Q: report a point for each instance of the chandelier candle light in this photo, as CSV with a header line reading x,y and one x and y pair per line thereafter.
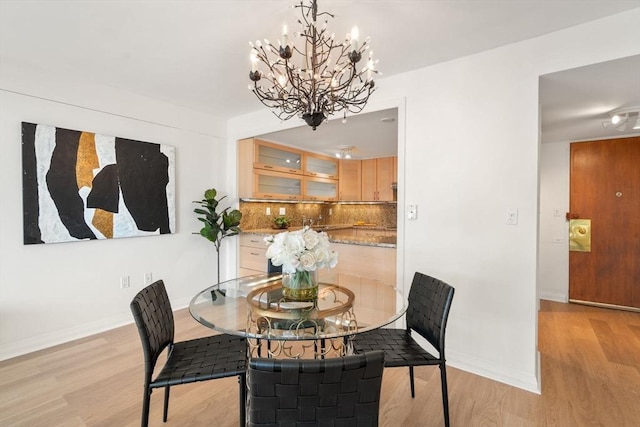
x,y
316,78
300,253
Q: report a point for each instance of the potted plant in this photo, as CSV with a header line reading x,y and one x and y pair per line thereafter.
x,y
281,222
217,224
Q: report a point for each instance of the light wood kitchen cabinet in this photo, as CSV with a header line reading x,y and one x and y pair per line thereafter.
x,y
322,189
276,185
267,170
319,166
377,177
363,263
275,157
253,258
350,180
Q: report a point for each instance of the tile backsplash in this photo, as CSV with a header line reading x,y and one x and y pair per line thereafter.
x,y
254,214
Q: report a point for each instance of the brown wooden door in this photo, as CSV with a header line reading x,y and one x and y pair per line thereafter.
x,y
605,188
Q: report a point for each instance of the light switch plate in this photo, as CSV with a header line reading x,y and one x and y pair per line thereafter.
x,y
412,212
512,216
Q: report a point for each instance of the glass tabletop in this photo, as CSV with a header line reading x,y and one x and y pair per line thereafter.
x,y
253,307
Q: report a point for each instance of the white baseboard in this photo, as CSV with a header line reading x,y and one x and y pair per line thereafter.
x,y
487,369
40,342
553,295
29,345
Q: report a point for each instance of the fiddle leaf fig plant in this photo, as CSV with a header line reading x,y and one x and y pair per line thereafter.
x,y
217,225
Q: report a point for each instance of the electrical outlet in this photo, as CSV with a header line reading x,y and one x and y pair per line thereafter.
x,y
283,211
148,278
330,211
124,282
412,212
268,211
512,216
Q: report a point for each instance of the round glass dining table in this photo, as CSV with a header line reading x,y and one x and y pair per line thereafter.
x,y
254,307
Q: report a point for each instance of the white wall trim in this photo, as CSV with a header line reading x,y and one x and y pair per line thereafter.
x,y
554,296
18,348
488,369
64,336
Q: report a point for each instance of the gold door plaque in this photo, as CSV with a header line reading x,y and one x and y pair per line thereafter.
x,y
580,235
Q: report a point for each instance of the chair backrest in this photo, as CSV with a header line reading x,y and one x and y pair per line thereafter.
x,y
152,312
336,391
429,303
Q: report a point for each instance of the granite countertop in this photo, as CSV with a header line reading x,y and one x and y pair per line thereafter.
x,y
382,241
379,241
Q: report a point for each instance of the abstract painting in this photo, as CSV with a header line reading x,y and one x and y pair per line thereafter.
x,y
85,186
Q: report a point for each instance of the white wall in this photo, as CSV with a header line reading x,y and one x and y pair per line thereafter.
x,y
468,151
56,292
471,151
553,270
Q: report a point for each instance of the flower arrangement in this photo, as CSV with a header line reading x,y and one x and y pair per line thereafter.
x,y
301,250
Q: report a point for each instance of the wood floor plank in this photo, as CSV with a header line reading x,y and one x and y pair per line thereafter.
x,y
589,361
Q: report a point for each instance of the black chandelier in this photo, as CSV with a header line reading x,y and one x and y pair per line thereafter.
x,y
316,78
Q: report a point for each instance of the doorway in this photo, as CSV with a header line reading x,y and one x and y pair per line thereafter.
x,y
604,266
574,106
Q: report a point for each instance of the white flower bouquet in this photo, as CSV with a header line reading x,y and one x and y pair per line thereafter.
x,y
300,253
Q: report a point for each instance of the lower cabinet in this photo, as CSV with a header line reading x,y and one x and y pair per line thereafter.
x,y
359,264
253,254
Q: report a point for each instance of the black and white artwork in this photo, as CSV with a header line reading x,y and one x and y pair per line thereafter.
x,y
84,186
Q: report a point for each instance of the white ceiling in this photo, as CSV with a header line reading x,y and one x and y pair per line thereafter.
x,y
196,53
574,103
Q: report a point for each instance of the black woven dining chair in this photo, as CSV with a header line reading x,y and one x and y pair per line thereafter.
x,y
429,303
201,359
343,391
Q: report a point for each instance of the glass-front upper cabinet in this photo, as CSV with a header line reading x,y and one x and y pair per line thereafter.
x,y
320,189
276,157
276,185
320,166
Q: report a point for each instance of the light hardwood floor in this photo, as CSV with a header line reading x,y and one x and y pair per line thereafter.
x,y
590,377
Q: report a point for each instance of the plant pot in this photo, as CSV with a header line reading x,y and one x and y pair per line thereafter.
x,y
300,286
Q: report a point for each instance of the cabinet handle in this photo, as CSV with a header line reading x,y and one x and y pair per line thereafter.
x,y
268,195
254,253
254,241
293,170
268,167
313,174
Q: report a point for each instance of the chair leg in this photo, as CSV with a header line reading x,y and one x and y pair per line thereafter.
x,y
146,399
445,395
166,404
242,379
413,389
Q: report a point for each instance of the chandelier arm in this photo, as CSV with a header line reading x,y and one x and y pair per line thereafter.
x,y
342,85
272,105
